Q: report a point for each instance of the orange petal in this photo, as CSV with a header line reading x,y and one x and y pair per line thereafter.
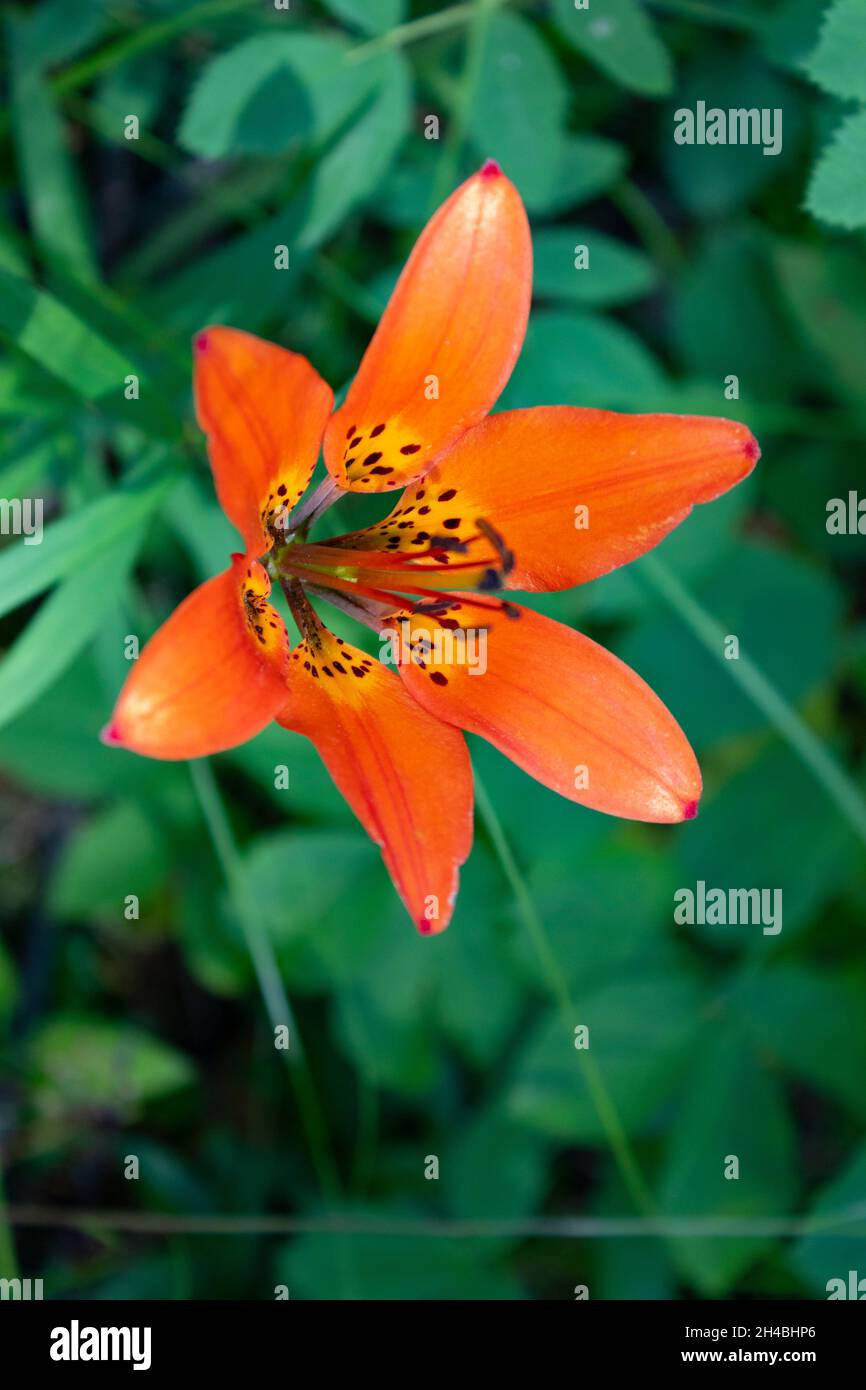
x,y
568,712
212,676
406,776
264,411
571,493
446,343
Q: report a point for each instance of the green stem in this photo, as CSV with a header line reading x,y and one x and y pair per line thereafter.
x,y
649,224
602,1100
783,718
709,14
424,28
267,974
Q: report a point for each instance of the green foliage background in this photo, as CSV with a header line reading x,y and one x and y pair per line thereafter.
x,y
306,128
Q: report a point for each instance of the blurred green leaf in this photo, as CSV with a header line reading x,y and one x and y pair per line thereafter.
x,y
725,323
641,1032
836,189
825,291
714,179
766,827
620,38
297,879
59,340
58,30
613,274
137,88
572,358
55,203
385,1266
65,623
812,1022
760,594
733,1110
519,88
82,1061
839,1239
114,853
77,539
354,167
493,1169
587,166
273,90
837,62
617,916
371,16
53,746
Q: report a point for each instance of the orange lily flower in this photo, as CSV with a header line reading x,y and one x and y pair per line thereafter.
x,y
490,504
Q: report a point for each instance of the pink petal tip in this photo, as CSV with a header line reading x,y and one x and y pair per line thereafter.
x,y
110,735
490,169
690,810
752,450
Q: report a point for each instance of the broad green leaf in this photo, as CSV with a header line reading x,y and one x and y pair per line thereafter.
x,y
641,1031
353,168
812,1023
620,38
837,189
587,166
394,1053
838,1241
588,267
55,205
789,34
493,1169
837,63
519,89
298,879
572,358
824,288
310,794
760,594
80,1061
371,16
272,91
477,998
724,323
58,30
27,570
53,746
135,88
116,852
734,1112
624,909
393,1267
766,827
59,340
56,634
715,179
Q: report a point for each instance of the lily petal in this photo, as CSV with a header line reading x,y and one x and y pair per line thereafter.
x,y
567,711
406,776
211,677
264,412
447,341
570,493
